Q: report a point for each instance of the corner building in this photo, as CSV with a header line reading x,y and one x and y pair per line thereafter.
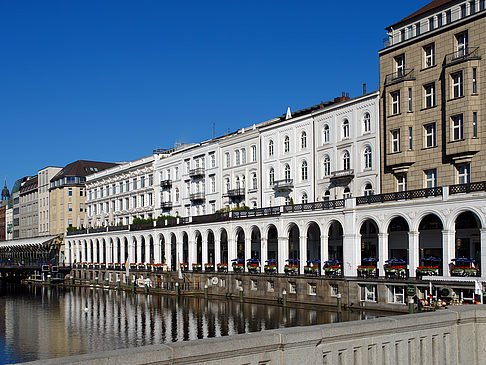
x,y
432,78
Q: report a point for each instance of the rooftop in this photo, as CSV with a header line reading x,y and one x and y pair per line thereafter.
x,y
424,10
82,168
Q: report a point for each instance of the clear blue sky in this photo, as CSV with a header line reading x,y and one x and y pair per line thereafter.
x,y
112,80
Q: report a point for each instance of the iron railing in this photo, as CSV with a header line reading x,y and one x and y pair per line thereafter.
x,y
259,212
283,184
233,193
210,218
467,188
79,231
399,76
97,230
465,54
198,171
141,226
118,228
324,205
166,205
197,196
401,195
166,184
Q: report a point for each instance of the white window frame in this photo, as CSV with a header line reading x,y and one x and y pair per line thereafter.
x,y
429,55
326,133
429,95
346,160
327,165
367,122
457,85
457,127
368,157
304,171
430,135
270,148
464,174
395,99
401,182
430,178
345,128
303,140
286,144
395,140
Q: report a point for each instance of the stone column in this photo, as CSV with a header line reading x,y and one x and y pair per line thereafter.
x,y
139,251
157,252
192,257
448,250
204,251
115,259
86,251
413,252
179,255
351,254
303,253
131,252
109,253
95,251
263,251
231,251
147,249
217,252
247,249
67,252
122,252
324,251
283,252
168,253
483,252
382,252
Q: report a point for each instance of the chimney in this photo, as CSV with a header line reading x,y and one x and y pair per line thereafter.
x,y
364,88
347,96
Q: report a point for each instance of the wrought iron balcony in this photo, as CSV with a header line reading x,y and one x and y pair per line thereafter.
x,y
399,76
199,171
197,196
235,193
402,195
166,205
465,54
283,185
166,184
342,175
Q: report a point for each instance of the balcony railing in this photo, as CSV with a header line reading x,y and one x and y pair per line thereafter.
x,y
118,228
166,184
399,76
402,195
324,205
235,193
141,226
210,218
197,196
467,188
79,231
462,55
97,230
285,184
256,212
166,205
199,171
342,175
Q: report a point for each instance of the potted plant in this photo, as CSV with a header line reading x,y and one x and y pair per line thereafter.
x,y
196,267
184,266
238,267
222,267
253,267
209,267
290,269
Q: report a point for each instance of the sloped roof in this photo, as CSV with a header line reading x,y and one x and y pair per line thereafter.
x,y
429,7
82,168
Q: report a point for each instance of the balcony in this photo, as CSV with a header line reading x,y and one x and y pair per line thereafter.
x,y
166,184
166,205
197,172
402,195
461,56
399,76
283,185
197,196
235,193
342,176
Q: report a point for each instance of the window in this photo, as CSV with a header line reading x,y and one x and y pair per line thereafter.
x,y
475,125
134,202
304,171
254,181
237,182
292,287
270,148
430,139
243,155
254,284
439,20
346,161
410,142
402,35
368,293
312,288
429,93
463,11
327,165
457,128
227,184
142,181
334,290
448,16
150,199
395,98
287,171
287,144
142,200
303,140
367,122
346,128
271,175
417,29
305,199
346,193
237,157
462,44
431,178
176,173
409,99
253,153
287,200
327,196
177,194
472,7
400,65
228,159
70,207
395,140
127,204
213,184
188,166
482,4
81,207
431,23
464,174
70,192
368,158
396,294
368,190
457,89
474,81
134,183
429,55
213,160
270,285
326,134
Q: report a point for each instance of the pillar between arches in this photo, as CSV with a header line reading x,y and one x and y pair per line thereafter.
x,y
231,252
217,252
157,251
482,244
413,252
351,254
139,252
283,252
247,248
192,257
115,259
324,251
263,252
448,250
147,249
303,253
382,251
204,241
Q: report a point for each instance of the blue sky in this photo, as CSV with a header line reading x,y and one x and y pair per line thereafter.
x,y
112,80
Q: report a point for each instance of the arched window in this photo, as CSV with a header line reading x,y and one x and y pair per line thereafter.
x,y
271,176
254,205
304,171
253,153
237,182
327,195
367,122
347,193
346,161
303,140
227,184
177,194
325,136
368,190
287,171
243,155
346,128
254,181
237,157
243,182
270,148
368,158
287,144
304,198
327,165
228,159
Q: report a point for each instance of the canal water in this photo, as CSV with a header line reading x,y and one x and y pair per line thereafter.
x,y
43,323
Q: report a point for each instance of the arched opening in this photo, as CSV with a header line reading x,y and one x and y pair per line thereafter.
x,y
199,248
255,243
369,239
224,247
335,242
240,244
468,237
143,251
313,243
398,239
185,248
102,256
118,251
151,250
173,252
211,248
91,252
163,259
294,246
125,259
272,243
430,238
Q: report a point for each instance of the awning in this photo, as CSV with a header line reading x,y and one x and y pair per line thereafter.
x,y
21,243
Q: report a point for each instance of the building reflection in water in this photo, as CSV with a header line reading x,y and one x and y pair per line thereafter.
x,y
42,323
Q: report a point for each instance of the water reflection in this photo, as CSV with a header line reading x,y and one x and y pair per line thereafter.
x,y
42,323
